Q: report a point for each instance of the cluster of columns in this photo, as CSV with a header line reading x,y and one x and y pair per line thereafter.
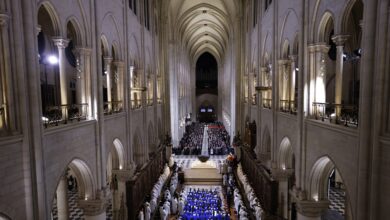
x,y
317,85
7,107
283,176
113,71
266,79
339,40
136,87
287,84
119,206
83,68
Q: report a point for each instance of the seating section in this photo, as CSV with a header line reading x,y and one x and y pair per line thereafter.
x,y
203,204
192,140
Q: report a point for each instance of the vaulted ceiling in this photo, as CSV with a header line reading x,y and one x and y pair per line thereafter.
x,y
204,25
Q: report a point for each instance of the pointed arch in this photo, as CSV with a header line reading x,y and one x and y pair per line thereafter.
x,y
119,151
47,7
85,179
80,39
286,154
285,49
325,26
266,141
4,216
318,180
104,45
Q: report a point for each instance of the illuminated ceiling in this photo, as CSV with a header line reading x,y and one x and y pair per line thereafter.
x,y
204,26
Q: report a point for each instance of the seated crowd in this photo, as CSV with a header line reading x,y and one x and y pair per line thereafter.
x,y
219,139
191,143
203,204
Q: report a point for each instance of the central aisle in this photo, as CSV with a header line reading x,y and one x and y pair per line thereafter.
x,y
205,143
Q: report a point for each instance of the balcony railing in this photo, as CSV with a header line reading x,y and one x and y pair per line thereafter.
x,y
62,114
267,103
348,114
288,106
136,104
113,107
149,102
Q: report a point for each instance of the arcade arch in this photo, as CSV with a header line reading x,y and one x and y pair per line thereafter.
x,y
326,184
74,186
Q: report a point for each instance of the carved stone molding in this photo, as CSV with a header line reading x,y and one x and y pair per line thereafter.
x,y
4,18
93,207
123,175
60,42
312,208
83,50
281,175
339,40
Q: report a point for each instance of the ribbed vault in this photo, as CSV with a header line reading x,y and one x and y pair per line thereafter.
x,y
203,26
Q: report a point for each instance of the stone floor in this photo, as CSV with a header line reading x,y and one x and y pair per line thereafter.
x,y
337,200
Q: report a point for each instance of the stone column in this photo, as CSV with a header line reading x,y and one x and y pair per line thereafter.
x,y
119,196
282,176
61,45
263,94
84,81
339,40
119,65
8,119
320,88
311,210
312,79
283,83
293,59
62,199
107,69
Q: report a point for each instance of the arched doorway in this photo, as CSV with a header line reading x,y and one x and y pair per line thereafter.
x,y
286,164
75,185
115,165
326,183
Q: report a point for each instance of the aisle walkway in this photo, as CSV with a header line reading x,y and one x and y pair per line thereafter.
x,y
205,142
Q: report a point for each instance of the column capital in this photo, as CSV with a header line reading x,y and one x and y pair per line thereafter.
x,y
293,58
60,42
93,207
321,47
39,29
340,39
281,175
4,18
123,175
311,48
84,50
107,59
118,63
264,69
311,208
283,61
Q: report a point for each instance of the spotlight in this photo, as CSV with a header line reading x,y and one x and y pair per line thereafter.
x,y
52,59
